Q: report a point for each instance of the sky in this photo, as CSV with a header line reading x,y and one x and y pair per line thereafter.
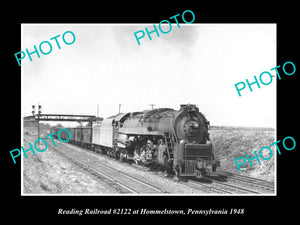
x,y
196,63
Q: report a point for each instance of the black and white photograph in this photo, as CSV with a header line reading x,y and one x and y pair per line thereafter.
x,y
109,112
136,112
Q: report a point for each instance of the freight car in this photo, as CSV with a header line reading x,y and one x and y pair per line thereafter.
x,y
80,136
176,140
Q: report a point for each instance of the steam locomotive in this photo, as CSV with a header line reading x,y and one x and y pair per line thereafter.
x,y
175,140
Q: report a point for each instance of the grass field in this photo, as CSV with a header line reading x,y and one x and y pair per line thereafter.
x,y
233,142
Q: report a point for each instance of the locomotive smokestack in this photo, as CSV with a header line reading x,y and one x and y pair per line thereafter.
x,y
182,106
187,105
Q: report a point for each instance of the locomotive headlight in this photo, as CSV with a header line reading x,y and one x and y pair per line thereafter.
x,y
195,124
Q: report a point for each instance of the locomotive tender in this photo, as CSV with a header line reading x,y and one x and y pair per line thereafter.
x,y
175,140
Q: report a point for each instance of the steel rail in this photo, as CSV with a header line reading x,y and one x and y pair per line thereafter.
x,y
233,186
133,178
257,181
195,183
113,180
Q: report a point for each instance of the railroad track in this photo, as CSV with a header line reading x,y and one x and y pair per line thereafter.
x,y
119,180
230,183
234,189
139,190
258,184
128,184
207,188
214,186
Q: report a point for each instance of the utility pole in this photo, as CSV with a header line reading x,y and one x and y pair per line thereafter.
x,y
38,116
151,105
119,108
97,119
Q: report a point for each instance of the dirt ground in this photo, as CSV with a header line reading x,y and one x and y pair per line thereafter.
x,y
49,173
230,144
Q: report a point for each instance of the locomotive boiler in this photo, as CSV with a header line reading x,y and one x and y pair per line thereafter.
x,y
176,140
